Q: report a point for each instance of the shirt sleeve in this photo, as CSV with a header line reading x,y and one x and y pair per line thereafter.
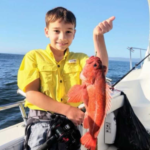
x,y
28,71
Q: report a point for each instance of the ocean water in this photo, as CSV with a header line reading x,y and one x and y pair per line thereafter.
x,y
9,65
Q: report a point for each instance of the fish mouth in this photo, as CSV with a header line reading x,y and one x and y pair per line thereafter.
x,y
82,77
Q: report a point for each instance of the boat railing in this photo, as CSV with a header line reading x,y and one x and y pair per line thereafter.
x,y
19,104
131,49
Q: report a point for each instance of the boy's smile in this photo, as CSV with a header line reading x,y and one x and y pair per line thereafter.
x,y
60,34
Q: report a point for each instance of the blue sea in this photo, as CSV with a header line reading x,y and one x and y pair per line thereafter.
x,y
9,65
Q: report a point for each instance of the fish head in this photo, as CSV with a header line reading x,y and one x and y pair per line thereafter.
x,y
92,67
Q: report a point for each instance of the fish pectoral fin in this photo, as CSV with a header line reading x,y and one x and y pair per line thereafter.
x,y
75,94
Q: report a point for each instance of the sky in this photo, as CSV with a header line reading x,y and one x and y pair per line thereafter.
x,y
22,25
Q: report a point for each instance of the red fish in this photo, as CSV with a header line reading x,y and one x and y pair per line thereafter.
x,y
95,94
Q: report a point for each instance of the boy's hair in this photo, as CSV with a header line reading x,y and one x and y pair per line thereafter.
x,y
60,13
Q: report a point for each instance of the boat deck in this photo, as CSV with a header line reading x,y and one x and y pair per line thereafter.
x,y
12,132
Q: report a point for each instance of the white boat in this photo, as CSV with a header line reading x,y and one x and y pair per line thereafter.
x,y
135,85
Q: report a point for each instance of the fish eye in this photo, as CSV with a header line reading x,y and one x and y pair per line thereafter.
x,y
94,65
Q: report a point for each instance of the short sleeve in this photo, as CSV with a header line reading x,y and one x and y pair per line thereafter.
x,y
28,71
83,58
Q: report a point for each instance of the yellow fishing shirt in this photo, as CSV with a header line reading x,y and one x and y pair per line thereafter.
x,y
56,77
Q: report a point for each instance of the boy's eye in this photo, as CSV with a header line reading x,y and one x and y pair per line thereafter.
x,y
57,31
68,31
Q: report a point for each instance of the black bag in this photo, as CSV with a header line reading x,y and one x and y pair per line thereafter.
x,y
131,134
62,130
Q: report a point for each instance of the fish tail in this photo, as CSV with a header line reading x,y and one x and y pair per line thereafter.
x,y
88,141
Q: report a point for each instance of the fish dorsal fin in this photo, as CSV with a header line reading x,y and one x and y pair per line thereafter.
x,y
108,98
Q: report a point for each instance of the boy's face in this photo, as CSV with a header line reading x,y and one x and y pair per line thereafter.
x,y
60,34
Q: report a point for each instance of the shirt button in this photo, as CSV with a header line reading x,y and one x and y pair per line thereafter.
x,y
60,81
58,66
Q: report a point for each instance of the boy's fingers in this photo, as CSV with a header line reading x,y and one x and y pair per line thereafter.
x,y
111,19
107,26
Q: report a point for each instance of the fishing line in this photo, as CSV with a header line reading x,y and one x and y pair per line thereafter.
x,y
129,71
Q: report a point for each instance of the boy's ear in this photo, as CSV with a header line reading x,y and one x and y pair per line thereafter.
x,y
74,33
46,32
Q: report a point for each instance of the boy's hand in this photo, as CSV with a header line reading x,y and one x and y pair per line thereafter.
x,y
104,26
75,115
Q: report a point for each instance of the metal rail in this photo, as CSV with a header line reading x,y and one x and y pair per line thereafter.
x,y
131,49
11,105
16,104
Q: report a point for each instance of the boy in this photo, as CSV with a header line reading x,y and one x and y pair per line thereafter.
x,y
47,75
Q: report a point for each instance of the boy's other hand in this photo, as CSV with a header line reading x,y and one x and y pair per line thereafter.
x,y
104,26
75,115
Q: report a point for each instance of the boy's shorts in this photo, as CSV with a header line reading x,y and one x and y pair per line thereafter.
x,y
38,136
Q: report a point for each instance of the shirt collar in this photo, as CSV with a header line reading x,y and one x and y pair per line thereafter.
x,y
49,51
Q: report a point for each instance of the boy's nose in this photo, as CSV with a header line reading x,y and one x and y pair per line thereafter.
x,y
62,36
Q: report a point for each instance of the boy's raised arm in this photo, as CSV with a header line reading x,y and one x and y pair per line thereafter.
x,y
99,42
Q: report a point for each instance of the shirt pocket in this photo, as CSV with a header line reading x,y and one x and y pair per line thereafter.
x,y
71,75
47,75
